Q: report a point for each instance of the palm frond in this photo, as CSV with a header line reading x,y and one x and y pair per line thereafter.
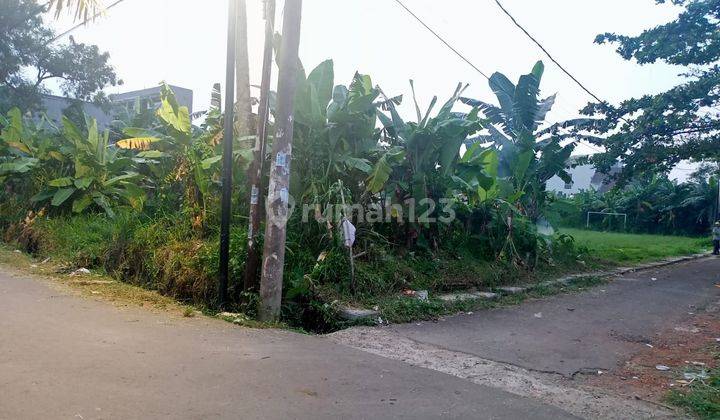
x,y
83,10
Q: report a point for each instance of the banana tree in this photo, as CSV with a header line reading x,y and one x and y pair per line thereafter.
x,y
527,156
419,158
16,146
335,133
420,154
176,153
519,156
31,152
97,174
476,175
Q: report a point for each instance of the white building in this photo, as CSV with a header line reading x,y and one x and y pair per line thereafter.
x,y
584,177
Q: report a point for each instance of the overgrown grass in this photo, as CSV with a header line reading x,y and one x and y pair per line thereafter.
x,y
702,398
627,248
99,285
162,254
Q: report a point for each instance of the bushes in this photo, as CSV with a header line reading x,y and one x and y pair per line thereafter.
x,y
85,241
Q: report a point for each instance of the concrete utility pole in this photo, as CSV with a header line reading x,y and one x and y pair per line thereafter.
x,y
227,158
255,171
278,191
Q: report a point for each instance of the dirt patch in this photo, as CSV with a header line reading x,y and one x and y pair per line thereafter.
x,y
92,285
688,347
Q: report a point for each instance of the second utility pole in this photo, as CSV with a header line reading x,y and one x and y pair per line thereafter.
x,y
227,158
271,282
255,171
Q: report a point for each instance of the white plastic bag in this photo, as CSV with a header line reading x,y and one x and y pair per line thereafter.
x,y
348,233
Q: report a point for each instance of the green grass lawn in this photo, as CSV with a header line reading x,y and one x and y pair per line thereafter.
x,y
634,248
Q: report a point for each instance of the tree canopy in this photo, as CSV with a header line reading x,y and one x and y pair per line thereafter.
x,y
655,132
28,59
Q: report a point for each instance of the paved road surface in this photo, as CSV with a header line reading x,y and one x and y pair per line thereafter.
x,y
67,357
593,330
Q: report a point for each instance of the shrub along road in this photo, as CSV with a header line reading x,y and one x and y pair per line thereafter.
x,y
65,356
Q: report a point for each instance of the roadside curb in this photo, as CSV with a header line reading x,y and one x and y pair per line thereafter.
x,y
357,314
566,280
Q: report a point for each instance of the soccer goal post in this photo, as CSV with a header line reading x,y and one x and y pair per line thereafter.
x,y
623,215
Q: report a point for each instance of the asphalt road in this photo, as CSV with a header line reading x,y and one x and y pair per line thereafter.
x,y
574,333
68,357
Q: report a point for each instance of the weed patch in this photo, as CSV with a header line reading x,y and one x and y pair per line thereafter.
x,y
702,398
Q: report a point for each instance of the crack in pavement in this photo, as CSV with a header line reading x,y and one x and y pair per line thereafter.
x,y
547,386
580,371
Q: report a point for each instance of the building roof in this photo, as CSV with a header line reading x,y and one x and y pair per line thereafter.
x,y
121,97
55,105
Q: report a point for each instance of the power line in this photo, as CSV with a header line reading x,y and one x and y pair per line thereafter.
x,y
84,22
447,44
590,146
583,142
547,53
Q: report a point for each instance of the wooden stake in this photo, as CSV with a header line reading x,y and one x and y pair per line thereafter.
x,y
278,190
350,248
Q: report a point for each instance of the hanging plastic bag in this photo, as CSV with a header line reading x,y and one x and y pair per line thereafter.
x,y
348,233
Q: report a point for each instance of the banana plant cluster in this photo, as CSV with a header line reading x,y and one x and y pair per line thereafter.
x,y
420,157
520,156
493,157
75,167
71,169
490,157
96,174
335,132
175,152
18,150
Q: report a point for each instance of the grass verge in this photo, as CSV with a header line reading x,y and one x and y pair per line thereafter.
x,y
628,248
93,284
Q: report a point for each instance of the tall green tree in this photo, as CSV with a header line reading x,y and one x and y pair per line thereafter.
x,y
655,132
28,60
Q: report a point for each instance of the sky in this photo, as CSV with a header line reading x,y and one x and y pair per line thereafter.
x,y
183,42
